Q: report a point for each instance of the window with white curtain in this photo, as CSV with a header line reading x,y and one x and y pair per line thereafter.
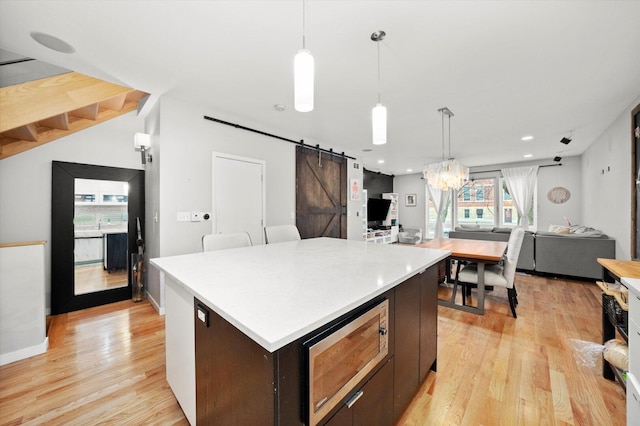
x,y
482,206
432,217
484,202
509,210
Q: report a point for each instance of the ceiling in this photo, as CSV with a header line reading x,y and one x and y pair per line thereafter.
x,y
506,69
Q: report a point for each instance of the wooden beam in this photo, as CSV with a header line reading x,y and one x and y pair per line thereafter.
x,y
116,103
37,100
11,146
60,122
89,112
27,133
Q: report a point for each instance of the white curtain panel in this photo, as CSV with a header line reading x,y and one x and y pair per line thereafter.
x,y
440,200
521,182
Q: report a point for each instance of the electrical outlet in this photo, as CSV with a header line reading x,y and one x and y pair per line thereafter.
x,y
196,216
184,216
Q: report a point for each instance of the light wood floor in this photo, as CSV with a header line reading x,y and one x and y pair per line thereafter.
x,y
106,365
90,278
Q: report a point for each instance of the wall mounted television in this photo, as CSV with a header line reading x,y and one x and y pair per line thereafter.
x,y
377,209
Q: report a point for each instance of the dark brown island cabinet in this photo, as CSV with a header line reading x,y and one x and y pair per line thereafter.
x,y
238,382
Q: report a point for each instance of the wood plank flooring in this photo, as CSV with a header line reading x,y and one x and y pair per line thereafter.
x,y
531,370
106,365
90,278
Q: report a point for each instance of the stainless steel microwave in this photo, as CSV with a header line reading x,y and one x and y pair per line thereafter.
x,y
340,359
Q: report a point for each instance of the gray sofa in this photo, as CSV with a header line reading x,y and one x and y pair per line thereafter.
x,y
573,254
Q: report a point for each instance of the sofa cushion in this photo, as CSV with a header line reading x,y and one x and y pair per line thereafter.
x,y
474,228
559,229
504,230
596,234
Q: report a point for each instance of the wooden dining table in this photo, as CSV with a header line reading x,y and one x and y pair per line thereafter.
x,y
478,251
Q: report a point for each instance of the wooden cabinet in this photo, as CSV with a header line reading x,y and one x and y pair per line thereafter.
x,y
428,321
407,357
234,375
237,381
416,333
372,404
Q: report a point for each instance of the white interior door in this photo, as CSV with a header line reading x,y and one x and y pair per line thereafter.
x,y
238,196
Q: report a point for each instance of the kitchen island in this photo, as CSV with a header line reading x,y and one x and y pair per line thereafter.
x,y
238,323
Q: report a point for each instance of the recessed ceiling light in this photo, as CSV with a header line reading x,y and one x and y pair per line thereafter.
x,y
528,155
409,170
53,43
526,138
380,161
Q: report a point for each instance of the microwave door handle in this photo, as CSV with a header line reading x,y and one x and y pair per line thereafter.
x,y
354,398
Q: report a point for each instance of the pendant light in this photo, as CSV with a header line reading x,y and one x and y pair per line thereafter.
x,y
447,174
379,112
303,74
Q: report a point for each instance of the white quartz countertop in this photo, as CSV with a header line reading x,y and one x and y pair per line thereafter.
x,y
632,284
277,293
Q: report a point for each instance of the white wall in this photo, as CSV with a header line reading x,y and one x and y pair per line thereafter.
x,y
25,179
152,207
184,160
187,142
608,182
411,217
568,175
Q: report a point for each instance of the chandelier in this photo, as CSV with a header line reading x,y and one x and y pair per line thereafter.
x,y
446,174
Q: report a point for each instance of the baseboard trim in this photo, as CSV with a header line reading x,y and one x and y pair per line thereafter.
x,y
14,356
159,309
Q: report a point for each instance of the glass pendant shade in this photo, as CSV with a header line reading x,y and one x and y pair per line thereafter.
x,y
303,74
446,175
379,124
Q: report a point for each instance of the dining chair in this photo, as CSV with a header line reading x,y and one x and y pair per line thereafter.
x,y
281,233
500,275
211,242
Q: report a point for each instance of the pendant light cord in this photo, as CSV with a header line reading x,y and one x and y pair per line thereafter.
x,y
449,136
442,120
378,44
304,24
